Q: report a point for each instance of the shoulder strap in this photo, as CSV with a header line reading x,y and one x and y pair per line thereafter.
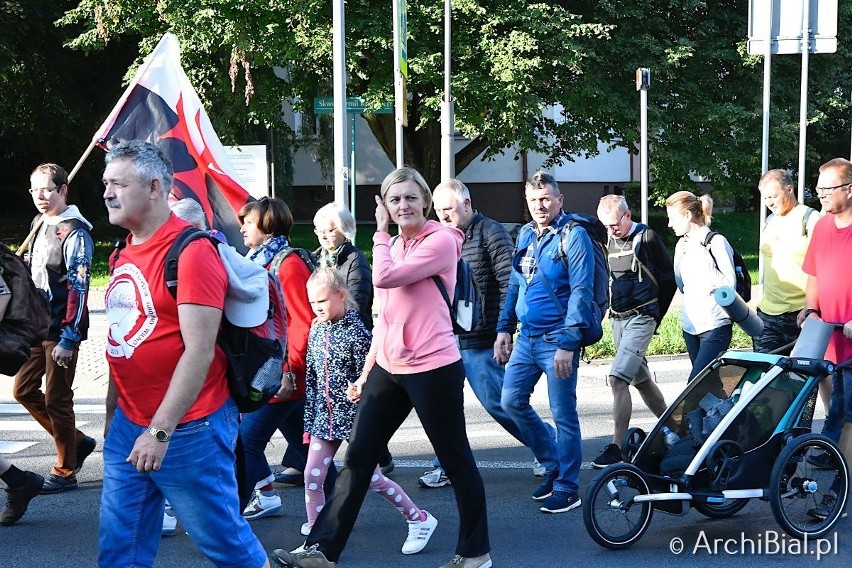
x,y
185,237
444,294
706,244
281,256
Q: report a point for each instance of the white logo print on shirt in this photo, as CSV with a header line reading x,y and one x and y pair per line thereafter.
x,y
127,299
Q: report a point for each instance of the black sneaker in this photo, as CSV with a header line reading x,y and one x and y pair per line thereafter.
x,y
546,488
84,450
58,484
610,455
561,502
19,498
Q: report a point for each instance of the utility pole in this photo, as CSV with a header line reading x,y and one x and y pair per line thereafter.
x,y
643,83
448,165
341,148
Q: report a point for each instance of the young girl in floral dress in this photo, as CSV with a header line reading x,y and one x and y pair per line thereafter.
x,y
337,347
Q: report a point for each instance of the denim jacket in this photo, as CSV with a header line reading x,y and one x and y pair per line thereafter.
x,y
571,278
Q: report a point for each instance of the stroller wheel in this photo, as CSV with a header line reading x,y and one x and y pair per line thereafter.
x,y
720,510
807,500
612,519
632,440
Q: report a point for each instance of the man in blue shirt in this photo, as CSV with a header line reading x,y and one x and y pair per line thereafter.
x,y
548,265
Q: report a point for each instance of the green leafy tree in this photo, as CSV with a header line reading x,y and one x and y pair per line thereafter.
x,y
510,61
52,99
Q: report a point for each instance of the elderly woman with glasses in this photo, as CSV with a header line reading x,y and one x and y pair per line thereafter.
x,y
334,227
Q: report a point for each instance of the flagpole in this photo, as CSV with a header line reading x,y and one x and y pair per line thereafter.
x,y
37,226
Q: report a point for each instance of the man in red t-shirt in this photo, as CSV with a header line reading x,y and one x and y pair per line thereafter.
x,y
171,425
828,294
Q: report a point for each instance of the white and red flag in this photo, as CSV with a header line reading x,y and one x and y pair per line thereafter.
x,y
161,106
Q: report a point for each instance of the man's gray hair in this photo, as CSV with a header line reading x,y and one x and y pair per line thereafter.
x,y
457,187
190,210
613,202
340,216
148,160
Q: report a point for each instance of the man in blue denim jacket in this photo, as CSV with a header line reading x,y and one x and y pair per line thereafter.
x,y
549,341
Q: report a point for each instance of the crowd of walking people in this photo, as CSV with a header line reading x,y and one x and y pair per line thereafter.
x,y
366,345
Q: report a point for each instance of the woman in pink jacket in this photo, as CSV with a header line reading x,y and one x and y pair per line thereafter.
x,y
413,362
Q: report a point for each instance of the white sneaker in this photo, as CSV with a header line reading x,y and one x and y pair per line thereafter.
x,y
435,478
299,549
305,530
538,469
263,506
419,533
169,522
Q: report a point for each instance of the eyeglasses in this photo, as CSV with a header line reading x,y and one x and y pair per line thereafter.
x,y
320,232
828,190
44,190
617,223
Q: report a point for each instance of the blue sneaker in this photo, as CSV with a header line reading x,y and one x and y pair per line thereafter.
x,y
544,490
561,502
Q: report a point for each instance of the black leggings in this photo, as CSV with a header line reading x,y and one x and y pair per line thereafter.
x,y
385,403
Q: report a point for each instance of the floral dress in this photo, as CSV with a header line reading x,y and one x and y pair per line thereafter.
x,y
336,354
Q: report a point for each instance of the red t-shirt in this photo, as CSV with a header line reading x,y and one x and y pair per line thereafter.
x,y
824,260
293,275
144,342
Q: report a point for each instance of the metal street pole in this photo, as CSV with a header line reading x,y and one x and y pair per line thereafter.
x,y
803,108
764,162
399,73
341,156
643,83
448,166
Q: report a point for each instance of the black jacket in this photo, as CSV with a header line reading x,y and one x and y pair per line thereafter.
x,y
355,269
630,286
487,248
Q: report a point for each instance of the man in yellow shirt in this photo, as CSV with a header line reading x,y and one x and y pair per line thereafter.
x,y
786,236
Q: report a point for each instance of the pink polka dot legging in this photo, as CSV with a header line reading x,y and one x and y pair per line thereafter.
x,y
320,454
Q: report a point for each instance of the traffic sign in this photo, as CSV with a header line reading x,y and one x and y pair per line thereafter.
x,y
355,105
786,30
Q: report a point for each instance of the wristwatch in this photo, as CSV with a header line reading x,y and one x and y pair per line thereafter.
x,y
160,435
810,311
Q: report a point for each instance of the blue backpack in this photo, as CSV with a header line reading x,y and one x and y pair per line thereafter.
x,y
600,289
466,307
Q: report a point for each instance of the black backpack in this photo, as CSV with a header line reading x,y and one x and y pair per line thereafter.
x,y
255,355
24,312
743,278
306,256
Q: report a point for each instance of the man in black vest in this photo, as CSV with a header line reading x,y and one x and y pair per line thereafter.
x,y
487,248
60,260
642,286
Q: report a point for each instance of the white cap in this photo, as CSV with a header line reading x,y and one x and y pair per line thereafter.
x,y
247,300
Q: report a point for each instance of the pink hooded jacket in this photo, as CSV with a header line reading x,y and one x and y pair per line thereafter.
x,y
413,332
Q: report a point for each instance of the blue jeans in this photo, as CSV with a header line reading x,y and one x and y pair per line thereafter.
x,y
198,479
257,429
531,357
705,347
485,376
839,406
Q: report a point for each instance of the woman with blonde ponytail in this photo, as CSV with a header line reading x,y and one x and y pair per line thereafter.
x,y
701,266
